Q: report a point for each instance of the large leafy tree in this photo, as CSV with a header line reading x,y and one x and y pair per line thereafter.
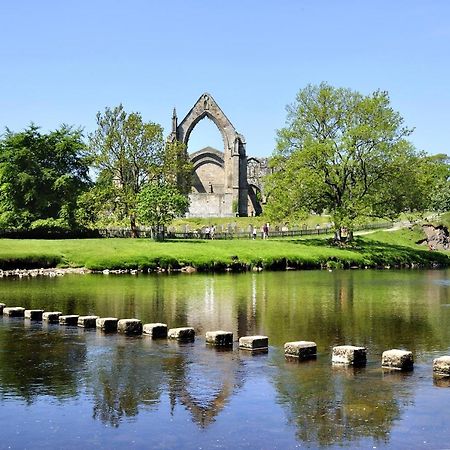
x,y
159,204
132,153
345,153
41,177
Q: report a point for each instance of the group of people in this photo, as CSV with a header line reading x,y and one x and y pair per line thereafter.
x,y
264,231
210,232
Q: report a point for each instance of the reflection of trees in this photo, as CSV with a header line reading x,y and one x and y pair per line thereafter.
x,y
40,362
203,382
124,379
342,408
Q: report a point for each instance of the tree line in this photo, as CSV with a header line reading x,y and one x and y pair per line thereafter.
x,y
340,152
46,179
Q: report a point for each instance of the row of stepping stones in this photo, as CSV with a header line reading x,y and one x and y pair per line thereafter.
x,y
302,350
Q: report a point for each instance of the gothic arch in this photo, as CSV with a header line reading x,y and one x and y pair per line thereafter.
x,y
233,160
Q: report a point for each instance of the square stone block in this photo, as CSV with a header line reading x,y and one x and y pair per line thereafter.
x,y
14,311
51,316
155,330
350,355
129,326
441,366
70,319
301,349
107,324
397,360
182,334
87,321
219,338
34,314
254,343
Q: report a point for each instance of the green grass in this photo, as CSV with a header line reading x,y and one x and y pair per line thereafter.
x,y
379,249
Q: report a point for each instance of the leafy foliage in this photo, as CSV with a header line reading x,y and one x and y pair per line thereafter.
x,y
129,154
41,176
345,153
159,204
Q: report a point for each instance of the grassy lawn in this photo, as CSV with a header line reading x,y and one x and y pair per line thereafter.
x,y
395,248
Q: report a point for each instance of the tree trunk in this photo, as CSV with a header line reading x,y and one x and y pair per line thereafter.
x,y
134,230
350,236
337,234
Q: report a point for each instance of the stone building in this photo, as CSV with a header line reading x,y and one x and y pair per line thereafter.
x,y
225,183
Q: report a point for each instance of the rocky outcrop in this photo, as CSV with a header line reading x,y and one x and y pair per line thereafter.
x,y
437,237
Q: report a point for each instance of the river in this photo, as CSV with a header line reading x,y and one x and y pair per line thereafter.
x,y
65,387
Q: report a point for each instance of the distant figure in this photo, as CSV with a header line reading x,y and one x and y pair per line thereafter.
x,y
254,233
207,232
266,230
212,231
318,228
262,231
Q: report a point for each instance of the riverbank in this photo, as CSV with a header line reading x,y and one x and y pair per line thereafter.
x,y
377,250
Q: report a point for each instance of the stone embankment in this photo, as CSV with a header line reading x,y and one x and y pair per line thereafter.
x,y
32,273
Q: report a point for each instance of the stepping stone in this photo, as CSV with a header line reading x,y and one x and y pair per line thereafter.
x,y
107,324
349,355
155,330
14,311
441,366
219,338
70,319
254,343
397,360
87,321
34,314
2,305
301,349
182,334
129,326
51,316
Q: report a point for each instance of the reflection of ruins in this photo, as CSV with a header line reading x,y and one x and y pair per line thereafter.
x,y
203,382
224,182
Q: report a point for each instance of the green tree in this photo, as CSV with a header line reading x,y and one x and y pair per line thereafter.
x,y
41,177
131,153
342,152
158,205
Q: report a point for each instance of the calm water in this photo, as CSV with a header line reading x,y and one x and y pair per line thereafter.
x,y
71,388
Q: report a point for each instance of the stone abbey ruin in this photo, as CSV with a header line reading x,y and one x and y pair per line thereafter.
x,y
224,183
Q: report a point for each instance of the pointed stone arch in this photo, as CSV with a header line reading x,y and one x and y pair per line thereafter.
x,y
234,196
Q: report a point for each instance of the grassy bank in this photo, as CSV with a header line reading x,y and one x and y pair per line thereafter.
x,y
375,250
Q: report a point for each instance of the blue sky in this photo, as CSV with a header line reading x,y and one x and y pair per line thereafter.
x,y
62,61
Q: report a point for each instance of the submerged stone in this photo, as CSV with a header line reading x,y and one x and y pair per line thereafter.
x,y
182,334
14,311
70,319
219,338
441,367
34,314
350,355
155,330
51,316
301,349
254,343
129,326
397,360
87,321
107,324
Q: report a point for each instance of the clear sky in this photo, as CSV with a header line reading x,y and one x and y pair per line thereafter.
x,y
62,61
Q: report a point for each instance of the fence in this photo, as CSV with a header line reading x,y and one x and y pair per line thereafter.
x,y
230,232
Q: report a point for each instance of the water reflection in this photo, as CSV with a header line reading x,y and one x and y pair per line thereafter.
x,y
123,378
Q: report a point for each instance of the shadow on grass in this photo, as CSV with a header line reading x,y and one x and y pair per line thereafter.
x,y
379,252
